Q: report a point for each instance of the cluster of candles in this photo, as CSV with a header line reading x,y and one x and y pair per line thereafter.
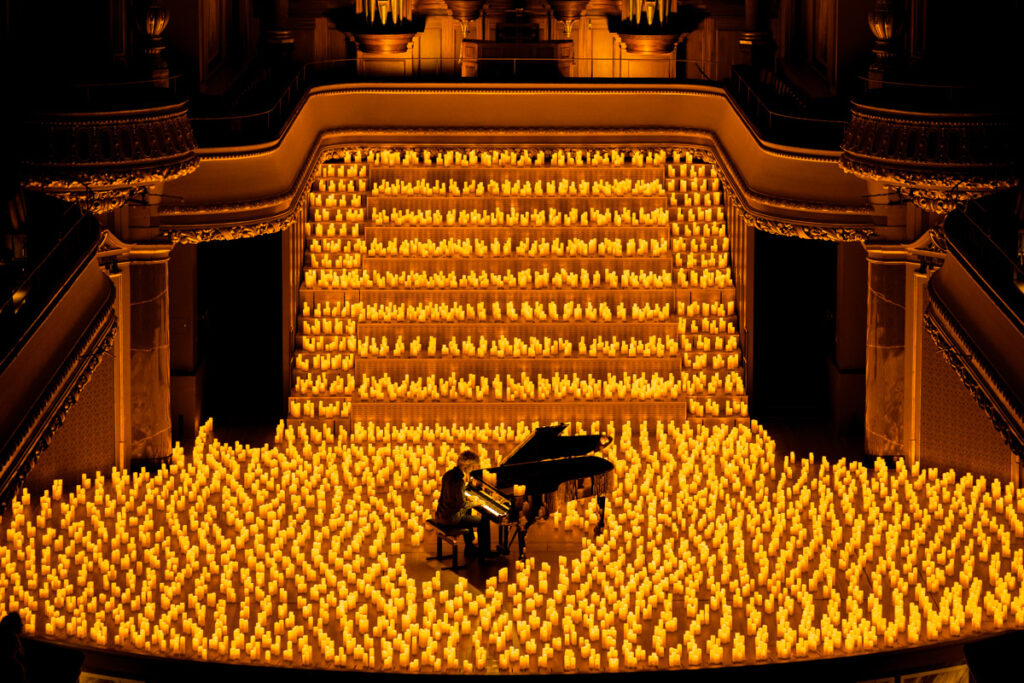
x,y
706,199
328,409
338,214
695,182
716,551
563,187
332,230
336,261
694,261
573,246
350,186
331,200
513,217
340,316
335,245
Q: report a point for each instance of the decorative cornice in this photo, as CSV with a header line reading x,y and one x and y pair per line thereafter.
x,y
786,228
100,160
711,150
938,161
231,232
934,191
988,389
55,401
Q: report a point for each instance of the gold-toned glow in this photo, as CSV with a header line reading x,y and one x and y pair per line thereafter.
x,y
497,244
716,551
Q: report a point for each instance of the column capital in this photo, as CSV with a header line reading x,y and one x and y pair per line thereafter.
x,y
113,251
928,251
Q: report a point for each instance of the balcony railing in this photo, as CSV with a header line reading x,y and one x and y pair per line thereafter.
x,y
252,127
986,241
777,122
773,121
59,245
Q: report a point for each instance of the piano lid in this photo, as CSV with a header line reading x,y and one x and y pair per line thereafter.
x,y
546,443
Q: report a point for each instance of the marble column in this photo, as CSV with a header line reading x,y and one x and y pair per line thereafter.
x,y
150,362
885,362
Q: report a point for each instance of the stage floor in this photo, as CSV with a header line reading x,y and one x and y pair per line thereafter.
x,y
717,552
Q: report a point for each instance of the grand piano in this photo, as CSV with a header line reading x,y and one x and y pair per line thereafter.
x,y
546,470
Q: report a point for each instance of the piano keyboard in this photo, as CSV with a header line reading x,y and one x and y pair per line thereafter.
x,y
490,501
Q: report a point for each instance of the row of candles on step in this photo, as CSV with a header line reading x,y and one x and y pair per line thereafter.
x,y
504,310
794,558
502,346
702,223
626,386
536,250
563,187
528,278
573,246
513,157
511,217
430,346
348,342
342,343
513,310
678,160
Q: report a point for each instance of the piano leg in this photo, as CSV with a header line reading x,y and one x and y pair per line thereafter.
x,y
503,539
483,537
600,522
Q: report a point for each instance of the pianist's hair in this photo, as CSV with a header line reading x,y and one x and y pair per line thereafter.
x,y
466,457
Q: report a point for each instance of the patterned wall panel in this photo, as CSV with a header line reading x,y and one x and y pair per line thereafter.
x,y
955,431
85,442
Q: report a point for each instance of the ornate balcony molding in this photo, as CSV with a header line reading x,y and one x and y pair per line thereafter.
x,y
939,161
55,401
232,232
100,160
786,228
988,389
805,219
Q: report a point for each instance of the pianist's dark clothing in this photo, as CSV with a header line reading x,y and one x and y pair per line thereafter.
x,y
453,510
452,507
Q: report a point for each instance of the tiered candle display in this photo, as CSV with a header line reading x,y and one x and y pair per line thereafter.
x,y
577,279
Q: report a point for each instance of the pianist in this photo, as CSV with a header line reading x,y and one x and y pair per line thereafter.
x,y
453,508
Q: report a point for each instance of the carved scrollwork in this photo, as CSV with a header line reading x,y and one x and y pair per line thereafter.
x,y
937,161
844,233
230,232
100,160
980,379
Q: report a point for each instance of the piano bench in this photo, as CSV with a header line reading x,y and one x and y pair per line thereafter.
x,y
450,535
